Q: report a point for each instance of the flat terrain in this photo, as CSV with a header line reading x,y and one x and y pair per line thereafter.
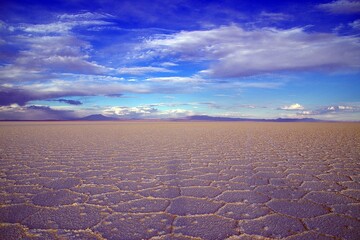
x,y
163,180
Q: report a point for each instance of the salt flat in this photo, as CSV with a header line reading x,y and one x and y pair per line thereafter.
x,y
167,180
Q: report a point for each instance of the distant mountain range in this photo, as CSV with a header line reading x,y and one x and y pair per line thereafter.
x,y
206,118
100,117
229,119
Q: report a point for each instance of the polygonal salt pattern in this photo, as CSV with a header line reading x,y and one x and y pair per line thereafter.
x,y
118,180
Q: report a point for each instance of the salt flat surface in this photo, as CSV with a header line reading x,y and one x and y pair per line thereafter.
x,y
163,180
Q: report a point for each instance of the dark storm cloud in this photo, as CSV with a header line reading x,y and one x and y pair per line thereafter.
x,y
68,101
18,96
62,89
22,96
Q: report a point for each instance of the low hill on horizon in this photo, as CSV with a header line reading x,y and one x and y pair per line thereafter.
x,y
206,118
97,117
230,119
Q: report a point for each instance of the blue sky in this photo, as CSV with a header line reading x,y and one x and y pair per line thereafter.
x,y
173,59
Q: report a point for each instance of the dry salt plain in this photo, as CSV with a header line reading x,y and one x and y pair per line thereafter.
x,y
163,180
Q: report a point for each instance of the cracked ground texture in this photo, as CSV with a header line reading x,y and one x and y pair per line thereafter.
x,y
167,180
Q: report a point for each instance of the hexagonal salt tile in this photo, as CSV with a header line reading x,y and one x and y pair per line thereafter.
x,y
335,225
298,209
135,226
240,211
275,225
12,231
113,198
143,205
63,183
58,197
67,217
200,192
16,213
191,206
245,196
206,227
352,210
310,235
328,198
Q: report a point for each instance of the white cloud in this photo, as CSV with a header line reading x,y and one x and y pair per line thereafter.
x,y
292,107
168,64
236,52
175,113
142,70
130,112
339,108
305,113
345,107
341,7
332,110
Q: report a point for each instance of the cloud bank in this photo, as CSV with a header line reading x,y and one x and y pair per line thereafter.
x,y
237,52
145,112
331,110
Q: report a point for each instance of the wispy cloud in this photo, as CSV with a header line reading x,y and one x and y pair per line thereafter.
x,y
194,79
143,70
273,16
341,7
66,22
236,52
355,24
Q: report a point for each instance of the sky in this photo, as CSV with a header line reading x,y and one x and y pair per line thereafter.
x,y
173,59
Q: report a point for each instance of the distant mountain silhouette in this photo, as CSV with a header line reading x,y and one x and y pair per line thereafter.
x,y
100,117
97,117
229,119
297,120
